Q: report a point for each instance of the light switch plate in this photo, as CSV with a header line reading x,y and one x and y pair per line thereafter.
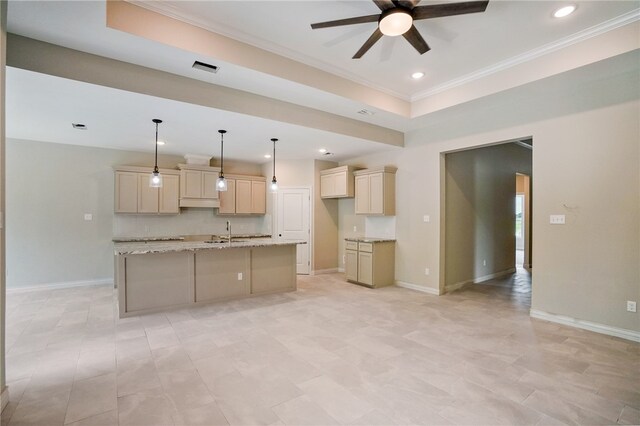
x,y
556,219
631,306
88,216
426,218
239,276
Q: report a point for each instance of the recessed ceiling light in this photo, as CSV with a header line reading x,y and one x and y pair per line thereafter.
x,y
564,11
79,126
417,75
322,150
267,156
160,143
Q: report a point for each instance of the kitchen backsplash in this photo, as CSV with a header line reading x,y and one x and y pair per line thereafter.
x,y
192,221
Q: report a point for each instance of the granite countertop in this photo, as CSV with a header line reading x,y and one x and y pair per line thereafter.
x,y
371,240
142,239
185,237
123,248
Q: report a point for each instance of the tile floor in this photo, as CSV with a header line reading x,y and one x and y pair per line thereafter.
x,y
330,353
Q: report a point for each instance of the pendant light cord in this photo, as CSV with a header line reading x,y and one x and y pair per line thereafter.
x,y
222,132
274,158
155,167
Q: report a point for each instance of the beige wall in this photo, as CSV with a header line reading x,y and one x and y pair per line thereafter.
x,y
3,50
49,189
586,141
325,224
480,189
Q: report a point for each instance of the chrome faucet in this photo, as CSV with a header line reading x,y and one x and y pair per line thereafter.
x,y
229,230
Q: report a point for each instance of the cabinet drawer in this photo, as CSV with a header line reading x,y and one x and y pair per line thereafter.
x,y
351,245
367,247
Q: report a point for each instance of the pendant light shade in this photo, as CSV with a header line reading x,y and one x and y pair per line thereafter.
x,y
155,179
274,181
221,183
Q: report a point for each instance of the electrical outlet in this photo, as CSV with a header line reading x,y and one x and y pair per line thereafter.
x,y
426,271
426,218
239,276
556,219
631,306
355,229
484,262
344,259
88,216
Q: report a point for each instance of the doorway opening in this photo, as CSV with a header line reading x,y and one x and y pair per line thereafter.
x,y
487,219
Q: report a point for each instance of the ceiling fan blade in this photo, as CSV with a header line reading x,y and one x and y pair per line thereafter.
x,y
367,44
448,9
348,21
416,40
384,4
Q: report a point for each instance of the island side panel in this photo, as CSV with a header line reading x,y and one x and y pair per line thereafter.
x,y
216,274
155,281
273,269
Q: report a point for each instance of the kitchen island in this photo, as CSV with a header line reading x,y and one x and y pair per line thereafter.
x,y
152,276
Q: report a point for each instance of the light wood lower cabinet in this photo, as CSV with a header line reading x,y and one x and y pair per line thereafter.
x,y
370,264
159,281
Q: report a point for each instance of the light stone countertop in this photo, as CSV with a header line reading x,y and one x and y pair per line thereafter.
x,y
371,240
176,246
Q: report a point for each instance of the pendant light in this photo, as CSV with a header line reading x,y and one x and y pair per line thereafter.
x,y
221,183
155,179
274,182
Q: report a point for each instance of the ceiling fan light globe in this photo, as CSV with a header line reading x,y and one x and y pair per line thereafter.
x,y
395,23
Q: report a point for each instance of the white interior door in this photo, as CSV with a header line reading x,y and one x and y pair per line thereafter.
x,y
293,223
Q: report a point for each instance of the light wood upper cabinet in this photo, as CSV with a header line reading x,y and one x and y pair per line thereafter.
x,y
126,192
228,198
375,191
337,182
169,195
244,195
258,197
134,195
198,186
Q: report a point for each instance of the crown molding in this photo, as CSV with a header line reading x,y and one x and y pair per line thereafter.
x,y
173,12
588,33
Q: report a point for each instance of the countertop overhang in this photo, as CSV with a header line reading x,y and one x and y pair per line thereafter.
x,y
371,240
128,248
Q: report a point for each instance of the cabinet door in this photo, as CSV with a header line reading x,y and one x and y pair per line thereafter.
x,y
376,193
228,198
126,192
351,265
147,196
169,195
365,268
362,194
258,197
340,182
327,186
191,184
243,196
209,190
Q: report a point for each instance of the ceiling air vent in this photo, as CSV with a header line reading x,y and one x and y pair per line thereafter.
x,y
79,126
205,67
366,112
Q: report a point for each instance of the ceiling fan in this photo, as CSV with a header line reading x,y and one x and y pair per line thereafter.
x,y
397,19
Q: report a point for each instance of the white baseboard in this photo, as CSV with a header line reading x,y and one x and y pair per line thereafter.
x,y
53,286
417,287
325,271
623,333
457,286
341,270
4,398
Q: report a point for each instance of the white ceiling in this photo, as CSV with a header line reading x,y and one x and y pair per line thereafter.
x,y
41,107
